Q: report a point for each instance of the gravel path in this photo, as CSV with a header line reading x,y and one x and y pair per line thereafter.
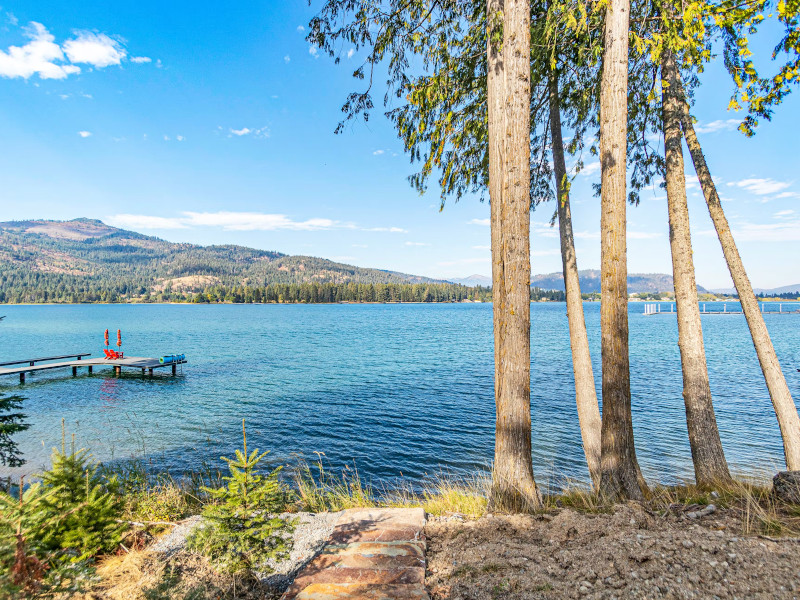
x,y
310,534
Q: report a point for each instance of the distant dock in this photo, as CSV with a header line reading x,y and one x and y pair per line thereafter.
x,y
78,361
654,308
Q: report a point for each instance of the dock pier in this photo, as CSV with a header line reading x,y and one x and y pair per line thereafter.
x,y
654,308
33,365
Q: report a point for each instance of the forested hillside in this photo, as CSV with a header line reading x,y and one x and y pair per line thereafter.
x,y
590,282
85,260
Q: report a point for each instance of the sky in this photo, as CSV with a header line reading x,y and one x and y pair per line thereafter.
x,y
195,124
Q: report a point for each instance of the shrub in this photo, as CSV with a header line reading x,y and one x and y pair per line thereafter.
x,y
10,423
90,512
241,531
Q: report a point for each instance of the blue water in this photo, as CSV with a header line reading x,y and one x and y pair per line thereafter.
x,y
392,389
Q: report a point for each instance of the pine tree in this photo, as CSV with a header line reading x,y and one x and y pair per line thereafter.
x,y
11,423
20,517
241,530
91,512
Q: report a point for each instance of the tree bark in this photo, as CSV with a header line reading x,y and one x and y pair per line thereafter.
x,y
619,468
513,485
785,410
585,393
710,466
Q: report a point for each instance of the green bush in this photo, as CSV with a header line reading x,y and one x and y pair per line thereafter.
x,y
11,423
51,531
90,512
241,530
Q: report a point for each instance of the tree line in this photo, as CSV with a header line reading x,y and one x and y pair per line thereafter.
x,y
484,90
101,291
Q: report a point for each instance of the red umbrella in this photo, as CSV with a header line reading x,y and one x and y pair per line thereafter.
x,y
106,337
119,337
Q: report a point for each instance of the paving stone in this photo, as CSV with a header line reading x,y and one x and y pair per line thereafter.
x,y
373,554
345,534
386,518
372,577
379,548
355,591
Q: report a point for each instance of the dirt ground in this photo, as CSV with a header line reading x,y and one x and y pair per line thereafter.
x,y
631,553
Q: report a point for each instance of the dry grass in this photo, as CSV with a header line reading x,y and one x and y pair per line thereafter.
x,y
321,490
145,576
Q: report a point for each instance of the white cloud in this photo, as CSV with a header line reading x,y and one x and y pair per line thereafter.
x,y
251,221
377,152
545,252
287,58
483,222
417,244
37,57
313,51
787,230
386,229
84,134
360,246
590,168
42,56
587,235
232,221
300,28
11,18
715,126
350,53
180,138
96,49
481,247
788,195
761,187
166,138
782,214
145,222
262,132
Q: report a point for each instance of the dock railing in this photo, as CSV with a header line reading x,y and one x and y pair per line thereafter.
x,y
33,361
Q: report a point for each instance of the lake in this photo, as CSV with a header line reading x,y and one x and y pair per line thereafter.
x,y
394,390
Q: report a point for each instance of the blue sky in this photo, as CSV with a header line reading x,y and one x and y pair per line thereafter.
x,y
194,123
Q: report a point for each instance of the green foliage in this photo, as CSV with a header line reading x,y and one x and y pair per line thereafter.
x,y
51,531
21,562
242,530
11,423
90,512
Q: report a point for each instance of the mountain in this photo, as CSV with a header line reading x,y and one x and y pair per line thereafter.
x,y
87,257
473,280
786,289
590,282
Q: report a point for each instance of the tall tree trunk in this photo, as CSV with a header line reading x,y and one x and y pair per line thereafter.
x,y
710,466
785,410
513,485
619,468
585,393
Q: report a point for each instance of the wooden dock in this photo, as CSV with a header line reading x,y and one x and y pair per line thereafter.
x,y
654,308
34,365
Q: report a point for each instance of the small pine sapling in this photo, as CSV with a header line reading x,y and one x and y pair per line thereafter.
x,y
241,530
90,511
